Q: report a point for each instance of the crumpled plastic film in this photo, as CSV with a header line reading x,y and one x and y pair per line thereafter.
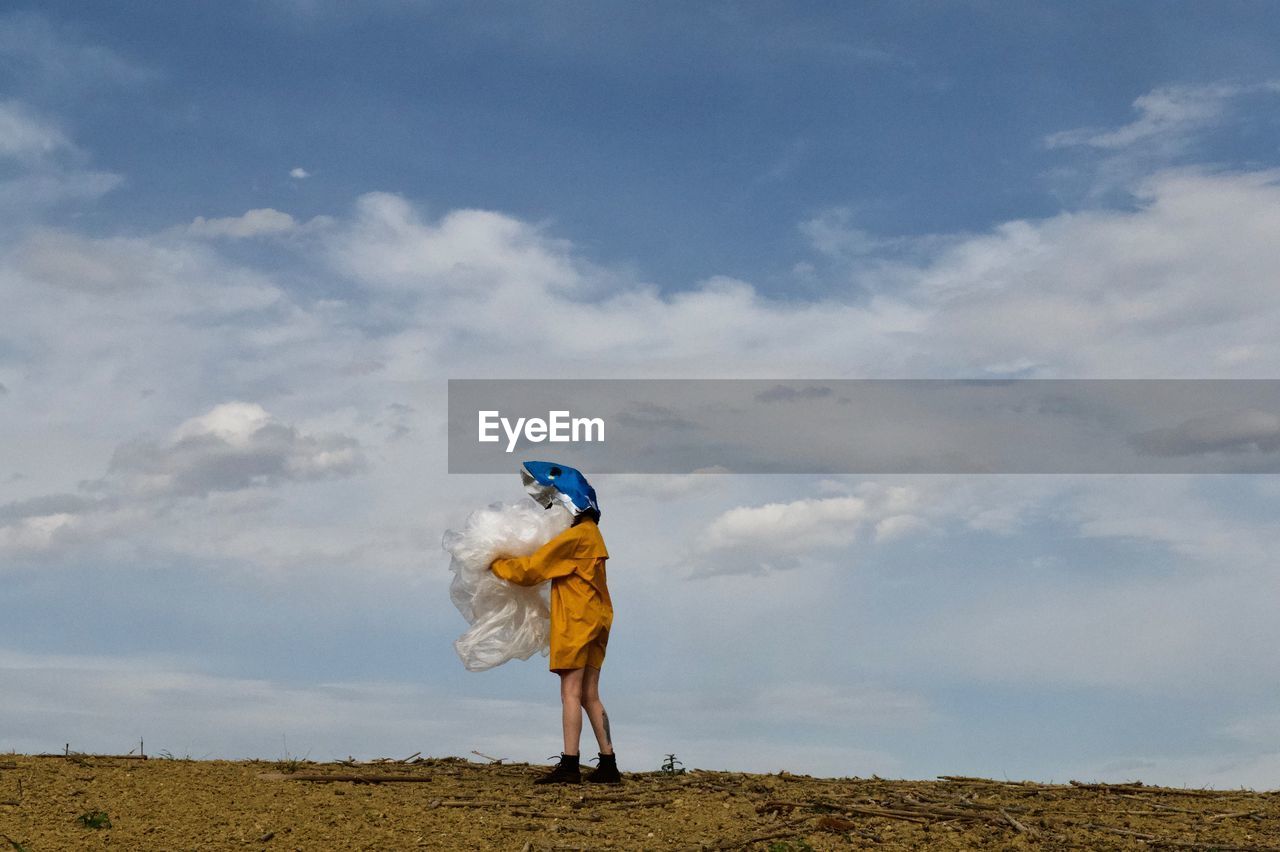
x,y
508,622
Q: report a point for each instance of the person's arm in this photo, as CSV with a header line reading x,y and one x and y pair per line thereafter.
x,y
553,559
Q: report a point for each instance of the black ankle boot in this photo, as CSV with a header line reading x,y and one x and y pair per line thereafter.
x,y
565,772
606,771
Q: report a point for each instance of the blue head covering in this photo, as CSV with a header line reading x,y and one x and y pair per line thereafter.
x,y
550,483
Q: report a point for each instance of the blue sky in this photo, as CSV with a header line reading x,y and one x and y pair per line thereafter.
x,y
242,248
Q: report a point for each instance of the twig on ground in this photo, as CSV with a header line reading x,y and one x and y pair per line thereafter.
x,y
887,814
1138,787
1017,826
1146,800
965,779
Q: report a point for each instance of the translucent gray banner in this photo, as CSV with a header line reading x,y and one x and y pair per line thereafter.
x,y
867,425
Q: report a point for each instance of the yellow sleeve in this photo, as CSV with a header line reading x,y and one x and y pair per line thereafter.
x,y
553,559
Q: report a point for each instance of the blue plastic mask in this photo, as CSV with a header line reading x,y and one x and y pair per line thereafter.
x,y
550,483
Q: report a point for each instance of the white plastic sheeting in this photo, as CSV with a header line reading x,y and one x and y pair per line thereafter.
x,y
508,622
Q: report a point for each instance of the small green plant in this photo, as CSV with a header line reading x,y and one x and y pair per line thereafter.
x,y
671,766
784,846
290,762
94,819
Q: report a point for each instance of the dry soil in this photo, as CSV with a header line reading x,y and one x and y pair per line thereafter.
x,y
50,802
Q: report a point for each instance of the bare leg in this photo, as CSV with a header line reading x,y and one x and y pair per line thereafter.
x,y
571,707
595,709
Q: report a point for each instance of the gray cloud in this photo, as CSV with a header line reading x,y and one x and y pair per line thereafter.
x,y
234,446
1246,431
789,393
648,415
48,504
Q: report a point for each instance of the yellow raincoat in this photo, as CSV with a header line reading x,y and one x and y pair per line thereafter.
x,y
581,611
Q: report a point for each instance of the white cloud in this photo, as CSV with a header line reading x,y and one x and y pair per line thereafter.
x,y
1172,289
252,224
1100,293
299,173
781,535
51,167
160,275
25,136
899,526
826,521
116,334
28,194
468,252
1168,113
66,260
475,274
262,222
1173,124
1180,286
1179,520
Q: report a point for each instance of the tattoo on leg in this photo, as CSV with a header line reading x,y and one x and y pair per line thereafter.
x,y
608,736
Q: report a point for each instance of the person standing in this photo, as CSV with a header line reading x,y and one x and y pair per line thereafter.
x,y
581,613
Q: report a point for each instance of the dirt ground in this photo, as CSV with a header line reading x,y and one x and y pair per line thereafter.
x,y
87,802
